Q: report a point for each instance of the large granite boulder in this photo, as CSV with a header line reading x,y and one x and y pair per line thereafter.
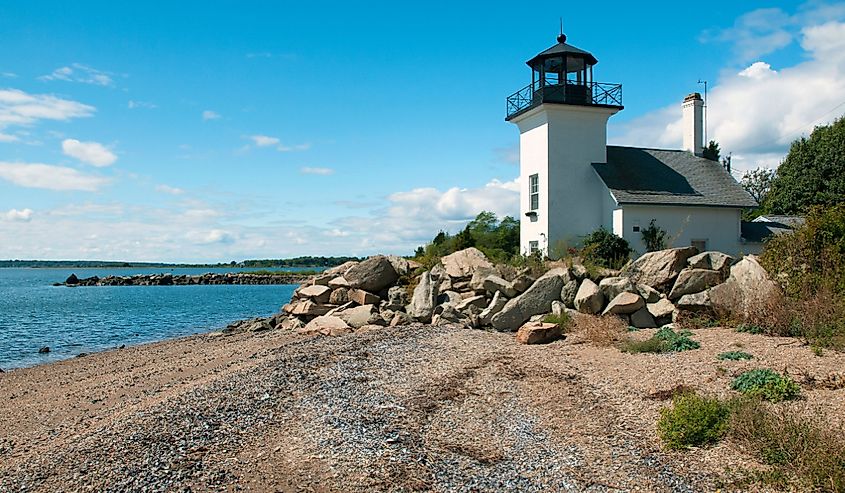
x,y
643,319
318,293
373,275
326,325
712,260
661,310
360,316
538,333
491,284
535,300
694,281
465,262
495,306
568,292
696,302
747,290
341,269
659,269
476,283
589,298
613,286
424,299
624,304
400,265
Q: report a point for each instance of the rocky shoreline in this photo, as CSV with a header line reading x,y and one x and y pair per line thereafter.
x,y
186,280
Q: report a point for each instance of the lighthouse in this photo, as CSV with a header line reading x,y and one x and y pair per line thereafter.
x,y
562,119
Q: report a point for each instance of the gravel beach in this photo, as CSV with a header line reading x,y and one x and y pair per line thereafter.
x,y
414,408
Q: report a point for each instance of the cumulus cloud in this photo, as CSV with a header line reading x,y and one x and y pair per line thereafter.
x,y
92,153
49,177
212,236
307,170
210,115
264,140
20,108
78,72
756,112
8,138
22,215
169,190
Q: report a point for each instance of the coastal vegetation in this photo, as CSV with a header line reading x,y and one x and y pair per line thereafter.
x,y
497,238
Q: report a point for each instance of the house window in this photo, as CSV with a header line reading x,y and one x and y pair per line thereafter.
x,y
533,192
533,247
637,228
701,245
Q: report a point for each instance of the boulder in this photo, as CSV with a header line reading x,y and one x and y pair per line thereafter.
x,y
400,265
72,280
401,318
424,299
317,293
697,302
747,291
643,319
340,269
494,307
338,282
373,275
659,269
291,323
322,279
339,296
326,325
397,296
649,294
492,283
579,272
712,260
624,304
363,297
477,281
568,292
589,298
613,286
306,308
558,308
535,300
449,315
360,316
522,282
661,310
538,333
464,263
449,297
694,281
479,301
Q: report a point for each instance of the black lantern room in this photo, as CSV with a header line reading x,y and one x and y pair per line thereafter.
x,y
563,74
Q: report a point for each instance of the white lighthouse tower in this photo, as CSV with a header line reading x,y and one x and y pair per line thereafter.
x,y
562,118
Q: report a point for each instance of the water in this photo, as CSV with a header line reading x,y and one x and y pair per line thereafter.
x,y
34,314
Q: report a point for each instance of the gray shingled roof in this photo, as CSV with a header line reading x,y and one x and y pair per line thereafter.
x,y
636,175
564,49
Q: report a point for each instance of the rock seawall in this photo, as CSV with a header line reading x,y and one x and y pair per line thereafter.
x,y
186,280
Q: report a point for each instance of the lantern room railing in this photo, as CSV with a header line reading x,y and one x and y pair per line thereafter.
x,y
592,93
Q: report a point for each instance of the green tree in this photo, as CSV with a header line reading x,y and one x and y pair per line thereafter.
x,y
654,237
813,172
464,239
712,151
419,252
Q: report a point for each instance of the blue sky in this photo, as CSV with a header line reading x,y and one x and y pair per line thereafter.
x,y
206,131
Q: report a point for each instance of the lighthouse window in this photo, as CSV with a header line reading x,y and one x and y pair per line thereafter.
x,y
533,192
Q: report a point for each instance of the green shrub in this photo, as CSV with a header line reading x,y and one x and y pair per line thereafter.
x,y
654,237
766,384
693,421
564,321
734,356
676,341
606,249
750,329
651,345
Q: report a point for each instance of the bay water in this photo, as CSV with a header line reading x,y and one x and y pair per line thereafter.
x,y
70,321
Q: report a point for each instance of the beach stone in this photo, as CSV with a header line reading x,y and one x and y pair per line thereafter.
x,y
624,304
424,299
712,260
363,297
479,301
322,279
495,306
465,262
318,293
44,350
397,296
697,302
324,324
306,308
373,275
589,298
448,315
535,300
643,319
649,294
659,269
401,318
558,308
476,283
360,316
568,292
747,290
492,283
694,281
522,282
339,296
661,310
338,282
538,333
579,272
612,286
400,265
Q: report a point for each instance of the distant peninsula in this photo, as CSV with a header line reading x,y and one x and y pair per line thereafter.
x,y
304,262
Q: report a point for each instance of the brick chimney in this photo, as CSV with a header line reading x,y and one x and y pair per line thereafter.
x,y
693,108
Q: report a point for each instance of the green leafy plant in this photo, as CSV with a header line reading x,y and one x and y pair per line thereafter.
x,y
693,421
606,249
677,341
767,384
654,237
750,329
734,356
564,321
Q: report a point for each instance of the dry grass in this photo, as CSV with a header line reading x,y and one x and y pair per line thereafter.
x,y
600,331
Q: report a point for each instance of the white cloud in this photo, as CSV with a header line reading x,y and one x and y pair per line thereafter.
x,y
8,138
132,104
169,190
307,170
21,108
78,72
210,115
92,153
264,140
756,112
46,176
298,147
210,237
9,75
23,215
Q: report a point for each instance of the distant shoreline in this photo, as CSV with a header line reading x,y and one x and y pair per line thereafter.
x,y
298,262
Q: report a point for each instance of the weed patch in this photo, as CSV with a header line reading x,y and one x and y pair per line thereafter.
x,y
734,356
693,421
767,384
665,340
